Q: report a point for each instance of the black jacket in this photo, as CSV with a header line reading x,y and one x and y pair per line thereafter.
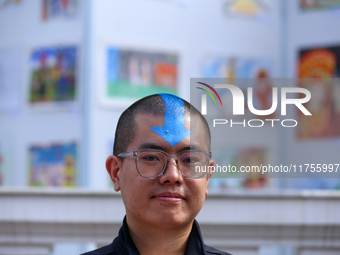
x,y
123,244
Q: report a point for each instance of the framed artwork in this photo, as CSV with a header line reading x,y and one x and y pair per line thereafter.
x,y
237,67
319,70
310,5
9,3
237,157
53,165
133,73
242,72
53,75
250,9
54,9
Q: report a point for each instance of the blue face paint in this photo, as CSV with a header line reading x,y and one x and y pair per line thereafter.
x,y
173,130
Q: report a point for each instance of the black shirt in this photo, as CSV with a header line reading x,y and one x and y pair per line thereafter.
x,y
123,244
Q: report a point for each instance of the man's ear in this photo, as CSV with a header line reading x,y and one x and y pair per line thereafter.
x,y
209,174
113,166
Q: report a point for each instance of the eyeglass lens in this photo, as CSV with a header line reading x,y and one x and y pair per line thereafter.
x,y
151,164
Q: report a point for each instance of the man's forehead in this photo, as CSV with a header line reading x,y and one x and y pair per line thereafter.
x,y
173,129
196,140
145,120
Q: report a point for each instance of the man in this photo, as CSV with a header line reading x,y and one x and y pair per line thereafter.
x,y
158,154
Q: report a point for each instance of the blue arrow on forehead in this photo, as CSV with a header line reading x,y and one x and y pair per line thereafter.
x,y
173,130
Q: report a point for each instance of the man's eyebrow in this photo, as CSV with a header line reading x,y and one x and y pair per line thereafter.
x,y
192,147
151,146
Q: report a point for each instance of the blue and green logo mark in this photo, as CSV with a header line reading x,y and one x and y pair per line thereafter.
x,y
209,93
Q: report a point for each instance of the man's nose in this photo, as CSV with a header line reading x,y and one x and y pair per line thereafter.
x,y
171,174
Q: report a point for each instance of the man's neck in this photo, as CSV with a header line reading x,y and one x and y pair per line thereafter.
x,y
154,241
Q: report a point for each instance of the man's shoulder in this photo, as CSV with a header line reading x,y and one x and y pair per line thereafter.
x,y
105,250
211,250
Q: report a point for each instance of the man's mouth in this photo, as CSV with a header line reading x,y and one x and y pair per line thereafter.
x,y
170,197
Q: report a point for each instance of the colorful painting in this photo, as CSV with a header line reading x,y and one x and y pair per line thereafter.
x,y
53,165
249,156
52,9
307,5
319,69
242,72
237,67
133,74
7,3
53,74
247,8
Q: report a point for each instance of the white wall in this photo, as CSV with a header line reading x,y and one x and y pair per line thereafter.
x,y
197,29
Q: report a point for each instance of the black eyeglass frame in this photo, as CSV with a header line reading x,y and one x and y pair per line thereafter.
x,y
135,154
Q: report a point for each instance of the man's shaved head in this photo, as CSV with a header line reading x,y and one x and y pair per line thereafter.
x,y
154,105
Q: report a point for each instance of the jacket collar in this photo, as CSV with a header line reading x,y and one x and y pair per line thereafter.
x,y
195,243
123,244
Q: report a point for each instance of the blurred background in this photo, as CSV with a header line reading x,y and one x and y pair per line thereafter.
x,y
68,68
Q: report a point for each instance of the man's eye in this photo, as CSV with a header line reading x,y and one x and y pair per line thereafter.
x,y
190,160
150,158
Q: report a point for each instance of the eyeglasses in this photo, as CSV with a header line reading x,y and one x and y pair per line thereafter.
x,y
152,163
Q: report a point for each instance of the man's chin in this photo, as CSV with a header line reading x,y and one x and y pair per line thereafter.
x,y
170,221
